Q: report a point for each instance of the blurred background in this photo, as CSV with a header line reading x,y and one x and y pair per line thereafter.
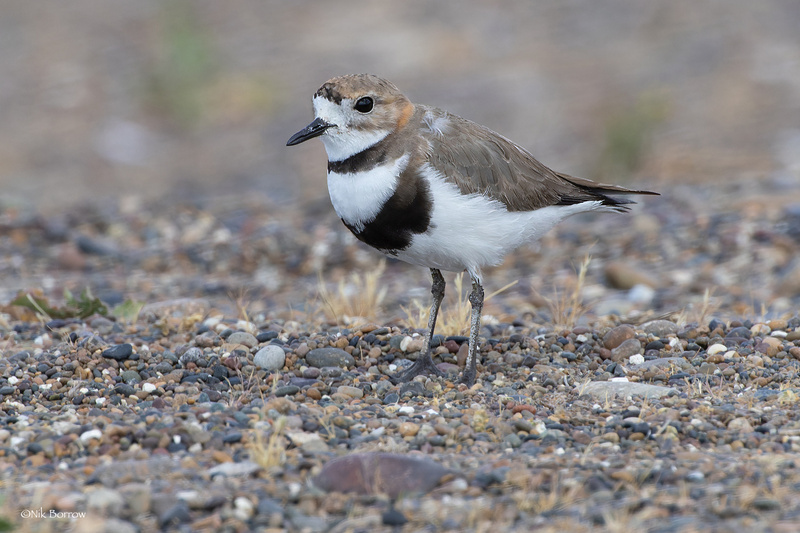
x,y
105,98
124,107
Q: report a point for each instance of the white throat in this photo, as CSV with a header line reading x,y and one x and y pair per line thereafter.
x,y
341,141
341,145
358,198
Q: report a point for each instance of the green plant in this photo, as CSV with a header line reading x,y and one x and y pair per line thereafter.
x,y
627,137
81,307
128,311
183,66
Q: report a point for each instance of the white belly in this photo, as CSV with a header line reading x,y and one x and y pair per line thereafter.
x,y
473,231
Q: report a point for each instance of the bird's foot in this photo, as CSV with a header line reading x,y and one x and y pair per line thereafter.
x,y
423,366
468,377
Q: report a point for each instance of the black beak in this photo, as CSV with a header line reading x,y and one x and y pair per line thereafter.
x,y
315,129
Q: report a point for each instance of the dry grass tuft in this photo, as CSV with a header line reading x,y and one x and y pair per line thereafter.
x,y
269,452
699,313
454,316
567,308
530,499
356,300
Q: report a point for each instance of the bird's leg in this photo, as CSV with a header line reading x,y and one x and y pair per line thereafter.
x,y
424,363
476,299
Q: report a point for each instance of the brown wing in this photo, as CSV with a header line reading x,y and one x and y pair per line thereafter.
x,y
479,160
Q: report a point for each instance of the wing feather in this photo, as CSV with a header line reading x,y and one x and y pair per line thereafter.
x,y
478,160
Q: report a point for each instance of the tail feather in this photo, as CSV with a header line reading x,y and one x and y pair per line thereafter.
x,y
591,190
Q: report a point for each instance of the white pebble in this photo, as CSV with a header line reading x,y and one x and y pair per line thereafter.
x,y
716,348
13,380
636,359
641,294
538,428
100,401
406,410
148,387
270,357
212,322
243,508
86,436
39,341
244,325
405,342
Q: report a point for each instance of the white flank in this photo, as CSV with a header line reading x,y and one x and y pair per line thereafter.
x,y
359,197
468,232
342,142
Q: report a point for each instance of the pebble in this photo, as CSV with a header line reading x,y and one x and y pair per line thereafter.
x,y
660,328
625,276
119,352
408,429
287,390
742,425
626,349
616,336
270,358
610,389
243,338
716,348
131,376
242,469
326,357
380,473
104,501
92,434
352,392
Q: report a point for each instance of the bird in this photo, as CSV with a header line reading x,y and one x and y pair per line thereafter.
x,y
436,190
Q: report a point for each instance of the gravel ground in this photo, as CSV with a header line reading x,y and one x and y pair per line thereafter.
x,y
230,402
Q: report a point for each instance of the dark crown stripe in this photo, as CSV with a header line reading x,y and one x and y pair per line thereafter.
x,y
329,91
375,155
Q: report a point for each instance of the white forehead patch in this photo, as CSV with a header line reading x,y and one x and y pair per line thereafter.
x,y
331,112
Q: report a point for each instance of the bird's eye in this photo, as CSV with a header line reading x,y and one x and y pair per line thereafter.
x,y
364,105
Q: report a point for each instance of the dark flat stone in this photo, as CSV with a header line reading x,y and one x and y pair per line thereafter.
x,y
322,357
380,473
287,390
120,352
